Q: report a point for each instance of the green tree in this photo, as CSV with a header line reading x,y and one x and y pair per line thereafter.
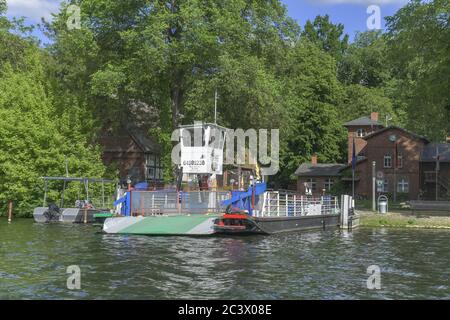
x,y
35,138
418,37
361,101
173,55
160,52
312,95
3,21
327,35
365,61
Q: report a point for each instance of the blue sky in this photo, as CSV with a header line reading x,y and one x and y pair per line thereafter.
x,y
351,13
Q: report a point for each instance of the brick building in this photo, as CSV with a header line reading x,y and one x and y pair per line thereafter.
x,y
405,164
136,155
319,178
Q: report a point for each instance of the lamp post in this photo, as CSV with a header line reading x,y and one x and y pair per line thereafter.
x,y
129,191
393,139
373,185
395,172
437,173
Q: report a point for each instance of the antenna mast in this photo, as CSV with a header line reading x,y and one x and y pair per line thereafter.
x,y
388,118
67,166
215,107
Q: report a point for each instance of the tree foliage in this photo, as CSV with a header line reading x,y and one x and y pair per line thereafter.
x,y
36,139
159,63
418,38
327,35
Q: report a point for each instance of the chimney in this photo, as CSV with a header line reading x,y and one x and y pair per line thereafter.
x,y
314,159
374,116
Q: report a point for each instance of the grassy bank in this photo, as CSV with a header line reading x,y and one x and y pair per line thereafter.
x,y
403,220
366,205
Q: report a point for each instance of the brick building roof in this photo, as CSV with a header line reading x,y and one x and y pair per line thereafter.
x,y
318,170
144,141
415,135
363,121
122,141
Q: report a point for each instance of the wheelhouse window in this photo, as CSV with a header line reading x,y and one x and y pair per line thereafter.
x,y
189,138
403,186
329,184
154,167
387,161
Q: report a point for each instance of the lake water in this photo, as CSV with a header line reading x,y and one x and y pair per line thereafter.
x,y
330,264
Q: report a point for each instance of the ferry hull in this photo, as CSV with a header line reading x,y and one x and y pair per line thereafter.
x,y
284,224
273,225
201,225
187,225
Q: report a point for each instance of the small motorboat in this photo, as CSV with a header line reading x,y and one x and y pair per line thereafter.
x,y
83,211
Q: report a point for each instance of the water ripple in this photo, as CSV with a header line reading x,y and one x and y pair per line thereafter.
x,y
314,265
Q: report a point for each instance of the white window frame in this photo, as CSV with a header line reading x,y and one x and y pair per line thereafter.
x,y
328,184
403,186
312,183
360,133
156,167
400,160
387,157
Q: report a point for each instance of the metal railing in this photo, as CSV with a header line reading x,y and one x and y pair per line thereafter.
x,y
172,202
290,204
270,204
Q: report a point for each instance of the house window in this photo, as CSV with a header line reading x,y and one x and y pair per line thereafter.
x,y
400,160
387,161
312,184
360,133
329,184
154,167
403,186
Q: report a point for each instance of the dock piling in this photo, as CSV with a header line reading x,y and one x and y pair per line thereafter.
x,y
10,211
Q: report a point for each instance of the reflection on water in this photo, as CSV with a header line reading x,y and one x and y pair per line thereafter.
x,y
312,265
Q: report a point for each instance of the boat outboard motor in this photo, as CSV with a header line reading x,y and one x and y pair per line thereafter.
x,y
79,204
52,213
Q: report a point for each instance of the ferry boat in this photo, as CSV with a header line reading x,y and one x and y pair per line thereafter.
x,y
214,212
167,212
254,211
268,212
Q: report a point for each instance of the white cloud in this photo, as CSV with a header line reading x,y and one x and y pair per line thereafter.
x,y
362,2
33,9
